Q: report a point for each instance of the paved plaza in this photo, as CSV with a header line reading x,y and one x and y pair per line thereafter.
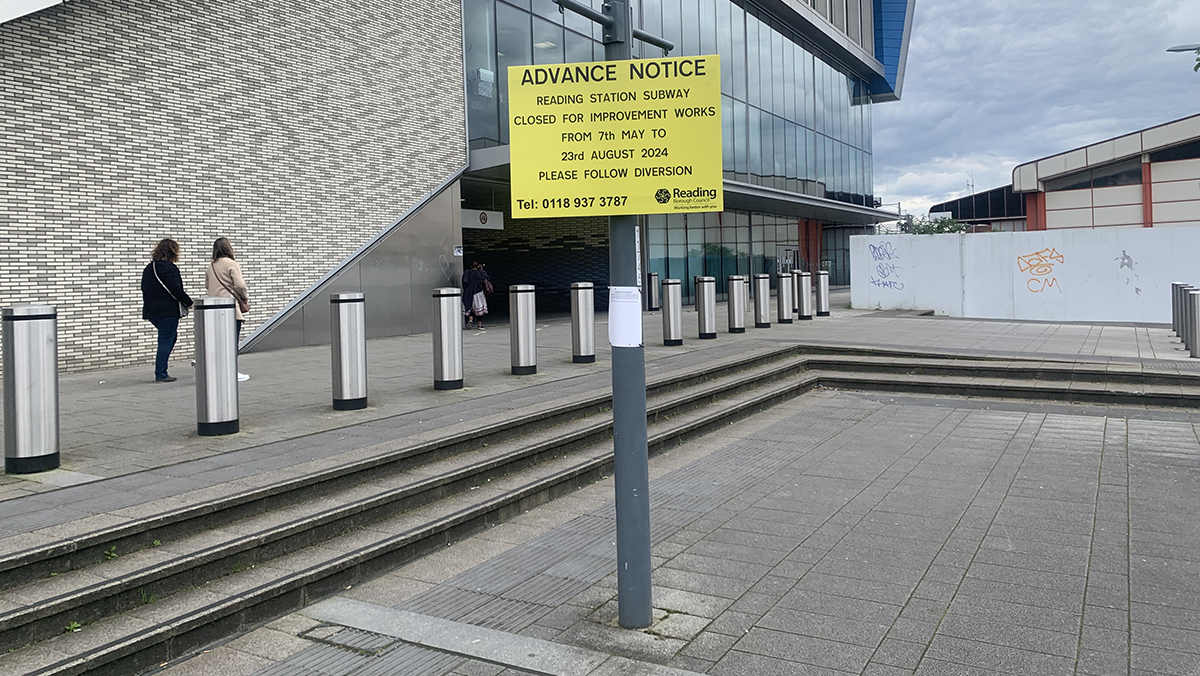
x,y
836,533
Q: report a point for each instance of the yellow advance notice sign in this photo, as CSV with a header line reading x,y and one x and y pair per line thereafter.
x,y
616,137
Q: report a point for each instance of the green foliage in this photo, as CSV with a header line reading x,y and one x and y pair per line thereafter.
x,y
1197,66
927,226
73,627
111,553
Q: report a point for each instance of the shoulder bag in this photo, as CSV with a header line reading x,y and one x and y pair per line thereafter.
x,y
243,305
183,309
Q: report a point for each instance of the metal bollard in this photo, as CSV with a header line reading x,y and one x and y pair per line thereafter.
x,y
348,350
447,338
784,299
1193,299
672,312
1175,307
706,307
795,291
522,329
762,301
805,300
1183,315
216,367
30,336
736,288
653,301
1186,318
823,293
583,323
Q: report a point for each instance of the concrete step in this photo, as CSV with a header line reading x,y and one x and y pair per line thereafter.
x,y
1047,370
990,384
79,598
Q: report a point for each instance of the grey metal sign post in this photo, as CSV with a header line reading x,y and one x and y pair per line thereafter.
x,y
631,471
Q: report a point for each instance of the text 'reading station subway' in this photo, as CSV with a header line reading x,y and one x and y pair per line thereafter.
x,y
616,137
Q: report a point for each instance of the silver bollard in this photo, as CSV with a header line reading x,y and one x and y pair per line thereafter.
x,y
672,312
583,323
216,366
706,307
348,350
1175,307
784,303
736,287
805,299
653,301
795,291
522,329
762,301
1193,301
30,336
823,293
447,338
1187,334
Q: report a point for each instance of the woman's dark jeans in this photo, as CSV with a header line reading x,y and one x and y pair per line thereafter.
x,y
168,332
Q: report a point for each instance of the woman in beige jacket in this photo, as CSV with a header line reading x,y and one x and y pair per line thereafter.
x,y
224,278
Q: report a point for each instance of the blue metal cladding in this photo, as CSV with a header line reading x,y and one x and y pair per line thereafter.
x,y
891,18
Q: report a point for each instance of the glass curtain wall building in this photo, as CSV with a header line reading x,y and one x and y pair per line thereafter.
x,y
796,119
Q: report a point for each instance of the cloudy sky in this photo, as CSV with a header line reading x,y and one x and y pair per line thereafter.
x,y
994,83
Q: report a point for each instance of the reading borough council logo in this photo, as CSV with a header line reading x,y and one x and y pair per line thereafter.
x,y
663,195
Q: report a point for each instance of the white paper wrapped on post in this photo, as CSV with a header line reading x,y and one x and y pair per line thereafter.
x,y
624,316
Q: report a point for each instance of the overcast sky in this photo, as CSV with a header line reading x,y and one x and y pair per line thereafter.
x,y
994,83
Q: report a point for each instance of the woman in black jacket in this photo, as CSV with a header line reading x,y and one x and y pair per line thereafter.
x,y
163,300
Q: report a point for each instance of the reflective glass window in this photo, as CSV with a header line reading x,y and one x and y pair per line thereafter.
x,y
547,9
779,150
652,22
737,20
523,4
788,89
765,73
577,22
807,85
1128,172
767,129
483,113
778,93
547,41
740,133
789,152
725,46
579,47
514,47
690,29
708,27
672,23
755,142
754,64
727,135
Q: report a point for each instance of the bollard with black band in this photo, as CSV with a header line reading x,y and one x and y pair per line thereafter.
x,y
31,434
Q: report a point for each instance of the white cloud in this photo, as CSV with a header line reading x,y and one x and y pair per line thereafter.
x,y
991,84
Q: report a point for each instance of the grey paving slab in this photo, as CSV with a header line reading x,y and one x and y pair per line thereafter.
x,y
879,535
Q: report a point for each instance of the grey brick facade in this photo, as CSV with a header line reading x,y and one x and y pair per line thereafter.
x,y
298,129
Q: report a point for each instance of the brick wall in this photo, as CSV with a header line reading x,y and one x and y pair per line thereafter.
x,y
549,253
297,128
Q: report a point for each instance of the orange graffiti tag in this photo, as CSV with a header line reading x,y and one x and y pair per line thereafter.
x,y
1038,265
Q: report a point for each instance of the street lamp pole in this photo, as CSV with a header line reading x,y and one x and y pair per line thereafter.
x,y
631,471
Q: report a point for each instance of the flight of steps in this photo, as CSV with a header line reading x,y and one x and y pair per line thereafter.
x,y
124,599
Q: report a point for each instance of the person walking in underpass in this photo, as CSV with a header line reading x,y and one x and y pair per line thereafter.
x,y
476,286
